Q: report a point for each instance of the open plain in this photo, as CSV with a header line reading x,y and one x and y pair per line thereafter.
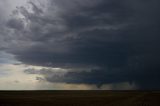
x,y
79,98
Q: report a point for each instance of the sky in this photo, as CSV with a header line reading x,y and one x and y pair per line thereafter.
x,y
79,45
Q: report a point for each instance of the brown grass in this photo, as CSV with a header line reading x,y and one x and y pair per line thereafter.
x,y
80,98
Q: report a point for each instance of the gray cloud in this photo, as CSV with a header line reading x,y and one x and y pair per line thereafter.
x,y
119,37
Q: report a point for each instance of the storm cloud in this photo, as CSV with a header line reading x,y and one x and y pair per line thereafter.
x,y
115,41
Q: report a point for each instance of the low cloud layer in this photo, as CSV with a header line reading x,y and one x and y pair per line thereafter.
x,y
102,42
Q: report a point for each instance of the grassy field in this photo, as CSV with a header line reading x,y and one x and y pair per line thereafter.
x,y
79,98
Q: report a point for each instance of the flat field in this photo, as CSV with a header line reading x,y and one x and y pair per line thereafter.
x,y
79,98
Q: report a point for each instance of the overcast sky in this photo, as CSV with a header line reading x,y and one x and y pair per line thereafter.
x,y
79,44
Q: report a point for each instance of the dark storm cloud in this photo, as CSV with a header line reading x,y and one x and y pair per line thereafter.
x,y
84,38
120,37
15,23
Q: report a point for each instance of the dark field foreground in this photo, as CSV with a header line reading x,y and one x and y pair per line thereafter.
x,y
80,98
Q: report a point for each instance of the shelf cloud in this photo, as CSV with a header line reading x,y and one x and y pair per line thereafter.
x,y
96,42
